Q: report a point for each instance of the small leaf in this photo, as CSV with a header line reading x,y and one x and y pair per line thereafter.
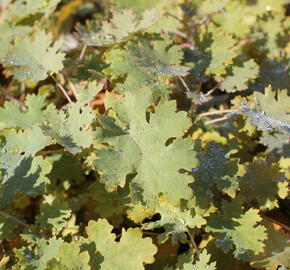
x,y
241,76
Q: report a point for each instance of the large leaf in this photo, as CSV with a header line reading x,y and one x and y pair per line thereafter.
x,y
131,252
138,143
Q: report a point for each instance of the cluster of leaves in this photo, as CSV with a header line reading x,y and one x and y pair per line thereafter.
x,y
112,151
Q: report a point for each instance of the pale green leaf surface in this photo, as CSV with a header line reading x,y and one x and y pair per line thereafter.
x,y
7,33
20,9
131,252
139,5
123,23
240,16
47,249
38,258
185,262
235,228
137,145
211,6
86,94
277,108
33,59
269,113
277,250
71,258
72,128
122,63
241,76
165,23
219,47
12,116
158,57
202,263
276,143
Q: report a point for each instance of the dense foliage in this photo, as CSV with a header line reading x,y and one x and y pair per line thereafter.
x,y
142,134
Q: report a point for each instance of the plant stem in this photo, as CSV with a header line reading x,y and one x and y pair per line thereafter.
x,y
216,120
184,83
278,223
193,243
51,152
62,89
83,52
15,219
216,112
173,16
210,91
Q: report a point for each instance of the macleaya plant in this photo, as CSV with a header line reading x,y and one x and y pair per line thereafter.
x,y
144,135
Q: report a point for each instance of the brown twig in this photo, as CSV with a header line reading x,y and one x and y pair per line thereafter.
x,y
287,228
15,219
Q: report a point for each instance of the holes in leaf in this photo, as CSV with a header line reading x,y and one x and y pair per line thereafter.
x,y
147,116
182,171
170,141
